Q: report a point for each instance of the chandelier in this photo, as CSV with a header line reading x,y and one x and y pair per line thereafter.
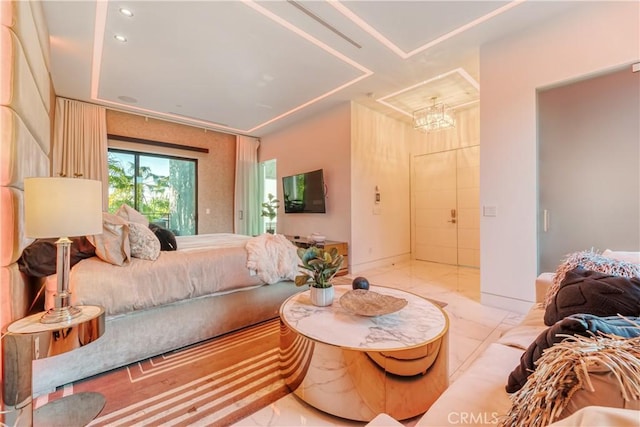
x,y
434,117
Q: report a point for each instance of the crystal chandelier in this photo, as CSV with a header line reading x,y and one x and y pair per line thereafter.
x,y
434,117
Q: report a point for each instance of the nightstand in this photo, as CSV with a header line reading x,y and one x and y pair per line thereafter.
x,y
28,339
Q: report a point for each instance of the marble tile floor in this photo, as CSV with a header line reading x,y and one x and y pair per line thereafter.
x,y
472,327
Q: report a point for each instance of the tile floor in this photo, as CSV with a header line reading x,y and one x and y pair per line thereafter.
x,y
472,327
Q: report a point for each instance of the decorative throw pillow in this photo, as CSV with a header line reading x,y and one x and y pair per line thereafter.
x,y
132,215
112,245
144,244
575,373
632,257
590,260
578,324
40,257
166,237
591,292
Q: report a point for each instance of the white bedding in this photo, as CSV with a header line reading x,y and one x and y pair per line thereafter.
x,y
202,265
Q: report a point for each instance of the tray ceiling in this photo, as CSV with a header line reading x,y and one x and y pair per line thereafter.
x,y
253,67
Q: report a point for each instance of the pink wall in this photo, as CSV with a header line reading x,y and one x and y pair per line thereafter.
x,y
321,142
586,40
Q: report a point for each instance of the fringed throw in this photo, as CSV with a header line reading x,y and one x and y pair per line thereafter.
x,y
564,369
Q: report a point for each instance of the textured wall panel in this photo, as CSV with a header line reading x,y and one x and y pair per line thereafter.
x,y
216,169
20,154
20,90
14,239
30,36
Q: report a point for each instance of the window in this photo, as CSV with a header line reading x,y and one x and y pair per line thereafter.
x,y
268,185
163,188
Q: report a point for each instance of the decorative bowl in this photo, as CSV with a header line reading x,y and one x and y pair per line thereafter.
x,y
369,303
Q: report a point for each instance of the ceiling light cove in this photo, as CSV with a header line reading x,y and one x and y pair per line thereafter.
x,y
120,38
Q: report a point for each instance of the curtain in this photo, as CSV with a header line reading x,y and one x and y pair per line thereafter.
x,y
80,143
247,198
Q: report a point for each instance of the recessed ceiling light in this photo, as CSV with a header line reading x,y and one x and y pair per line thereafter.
x,y
126,12
120,38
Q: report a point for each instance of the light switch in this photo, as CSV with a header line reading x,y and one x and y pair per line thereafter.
x,y
489,211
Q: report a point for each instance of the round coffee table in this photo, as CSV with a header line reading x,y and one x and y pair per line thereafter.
x,y
356,367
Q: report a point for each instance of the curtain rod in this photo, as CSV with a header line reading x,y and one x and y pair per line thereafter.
x,y
122,110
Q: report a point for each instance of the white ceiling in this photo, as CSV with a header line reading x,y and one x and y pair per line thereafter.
x,y
254,67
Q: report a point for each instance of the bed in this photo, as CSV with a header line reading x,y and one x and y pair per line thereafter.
x,y
211,285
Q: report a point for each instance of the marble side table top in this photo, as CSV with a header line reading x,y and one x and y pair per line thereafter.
x,y
419,322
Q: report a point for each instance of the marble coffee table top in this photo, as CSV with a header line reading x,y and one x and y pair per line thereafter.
x,y
419,322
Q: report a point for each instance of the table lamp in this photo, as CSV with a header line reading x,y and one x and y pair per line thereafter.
x,y
60,208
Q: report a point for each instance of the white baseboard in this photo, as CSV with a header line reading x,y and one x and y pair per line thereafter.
x,y
379,263
505,303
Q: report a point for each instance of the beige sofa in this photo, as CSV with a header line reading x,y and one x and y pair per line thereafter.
x,y
478,396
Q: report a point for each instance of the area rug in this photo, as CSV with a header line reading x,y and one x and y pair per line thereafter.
x,y
214,383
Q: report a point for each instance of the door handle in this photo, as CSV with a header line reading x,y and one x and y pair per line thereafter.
x,y
452,221
453,213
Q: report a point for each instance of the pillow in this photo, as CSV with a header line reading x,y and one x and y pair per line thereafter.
x,y
590,260
112,245
166,237
144,244
590,292
575,373
578,324
40,257
132,215
632,257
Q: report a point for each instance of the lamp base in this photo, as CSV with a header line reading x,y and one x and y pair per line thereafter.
x,y
60,314
70,411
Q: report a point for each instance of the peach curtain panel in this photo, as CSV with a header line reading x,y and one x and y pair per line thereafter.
x,y
80,143
247,203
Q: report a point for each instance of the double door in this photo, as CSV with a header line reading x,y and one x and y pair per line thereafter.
x,y
445,190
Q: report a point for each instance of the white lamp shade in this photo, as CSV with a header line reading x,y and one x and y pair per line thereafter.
x,y
62,207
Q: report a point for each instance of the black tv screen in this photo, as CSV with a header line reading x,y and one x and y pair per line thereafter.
x,y
304,193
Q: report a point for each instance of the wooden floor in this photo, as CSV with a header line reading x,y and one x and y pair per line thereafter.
x,y
217,382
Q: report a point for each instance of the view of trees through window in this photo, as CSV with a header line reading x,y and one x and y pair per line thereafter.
x,y
269,185
162,188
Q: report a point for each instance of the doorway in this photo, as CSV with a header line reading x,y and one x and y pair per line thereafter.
x,y
445,190
588,175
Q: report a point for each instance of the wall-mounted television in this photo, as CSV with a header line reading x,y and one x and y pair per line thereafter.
x,y
304,192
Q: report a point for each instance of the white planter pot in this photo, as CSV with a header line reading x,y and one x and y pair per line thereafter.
x,y
322,297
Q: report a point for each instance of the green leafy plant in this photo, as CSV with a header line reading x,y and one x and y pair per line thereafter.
x,y
270,210
321,266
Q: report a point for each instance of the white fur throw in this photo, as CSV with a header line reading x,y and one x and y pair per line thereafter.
x,y
273,257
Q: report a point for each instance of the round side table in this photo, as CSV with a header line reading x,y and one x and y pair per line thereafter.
x,y
28,339
354,366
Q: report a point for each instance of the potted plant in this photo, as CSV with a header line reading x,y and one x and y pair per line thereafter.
x,y
270,210
321,266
